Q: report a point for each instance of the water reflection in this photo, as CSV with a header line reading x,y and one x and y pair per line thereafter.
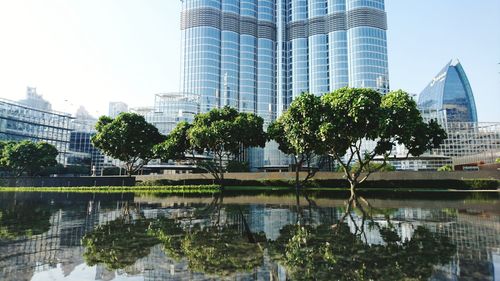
x,y
246,237
347,249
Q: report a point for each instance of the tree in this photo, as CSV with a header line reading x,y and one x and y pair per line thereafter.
x,y
24,220
128,138
342,251
235,166
118,244
27,157
497,160
176,144
379,167
297,132
220,251
354,117
221,133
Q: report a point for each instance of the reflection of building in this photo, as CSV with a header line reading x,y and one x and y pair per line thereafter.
x,y
450,90
20,122
116,108
474,232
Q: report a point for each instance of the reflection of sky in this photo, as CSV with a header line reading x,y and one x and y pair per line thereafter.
x,y
496,265
81,272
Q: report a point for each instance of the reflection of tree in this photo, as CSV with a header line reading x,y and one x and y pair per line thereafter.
x,y
221,248
334,252
217,249
118,244
20,220
220,251
170,234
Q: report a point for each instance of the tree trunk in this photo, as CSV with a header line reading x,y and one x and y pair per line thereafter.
x,y
297,180
353,187
221,172
130,170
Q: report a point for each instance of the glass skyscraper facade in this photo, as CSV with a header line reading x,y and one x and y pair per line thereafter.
x,y
450,90
258,55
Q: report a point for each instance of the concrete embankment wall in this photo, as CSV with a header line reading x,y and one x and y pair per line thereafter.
x,y
66,181
386,176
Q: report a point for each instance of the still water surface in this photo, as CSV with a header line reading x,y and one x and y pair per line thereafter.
x,y
249,236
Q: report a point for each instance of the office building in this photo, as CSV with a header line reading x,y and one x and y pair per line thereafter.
x,y
35,100
20,122
257,55
171,108
469,144
450,90
116,108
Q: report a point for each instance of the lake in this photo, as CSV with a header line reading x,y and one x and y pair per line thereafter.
x,y
277,235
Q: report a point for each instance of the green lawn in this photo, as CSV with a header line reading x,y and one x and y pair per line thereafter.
x,y
119,189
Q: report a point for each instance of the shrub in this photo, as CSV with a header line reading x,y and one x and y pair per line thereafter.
x,y
445,168
235,166
475,184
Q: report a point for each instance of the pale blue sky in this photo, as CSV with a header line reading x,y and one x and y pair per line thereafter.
x,y
90,52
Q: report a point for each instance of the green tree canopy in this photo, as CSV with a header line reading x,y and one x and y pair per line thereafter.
x,y
176,145
118,243
221,251
20,220
128,138
221,133
320,253
27,157
445,168
297,132
343,251
354,117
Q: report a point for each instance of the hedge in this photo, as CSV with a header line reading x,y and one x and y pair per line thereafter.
x,y
472,184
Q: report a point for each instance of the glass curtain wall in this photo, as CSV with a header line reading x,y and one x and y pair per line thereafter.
x,y
318,48
450,90
298,48
230,49
201,52
367,44
258,55
248,55
337,48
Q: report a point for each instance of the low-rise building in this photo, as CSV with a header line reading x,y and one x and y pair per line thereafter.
x,y
21,122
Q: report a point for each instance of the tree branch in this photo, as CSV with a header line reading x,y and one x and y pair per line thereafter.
x,y
375,170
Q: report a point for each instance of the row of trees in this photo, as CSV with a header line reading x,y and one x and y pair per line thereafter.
x,y
221,133
339,125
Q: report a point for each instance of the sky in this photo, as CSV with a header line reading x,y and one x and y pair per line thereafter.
x,y
91,52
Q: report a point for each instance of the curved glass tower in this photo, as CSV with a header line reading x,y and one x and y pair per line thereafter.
x,y
450,90
258,55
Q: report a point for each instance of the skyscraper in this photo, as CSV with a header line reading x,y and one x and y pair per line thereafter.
x,y
450,91
115,108
257,55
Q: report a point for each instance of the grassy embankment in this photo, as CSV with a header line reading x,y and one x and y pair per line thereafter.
x,y
119,189
206,186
